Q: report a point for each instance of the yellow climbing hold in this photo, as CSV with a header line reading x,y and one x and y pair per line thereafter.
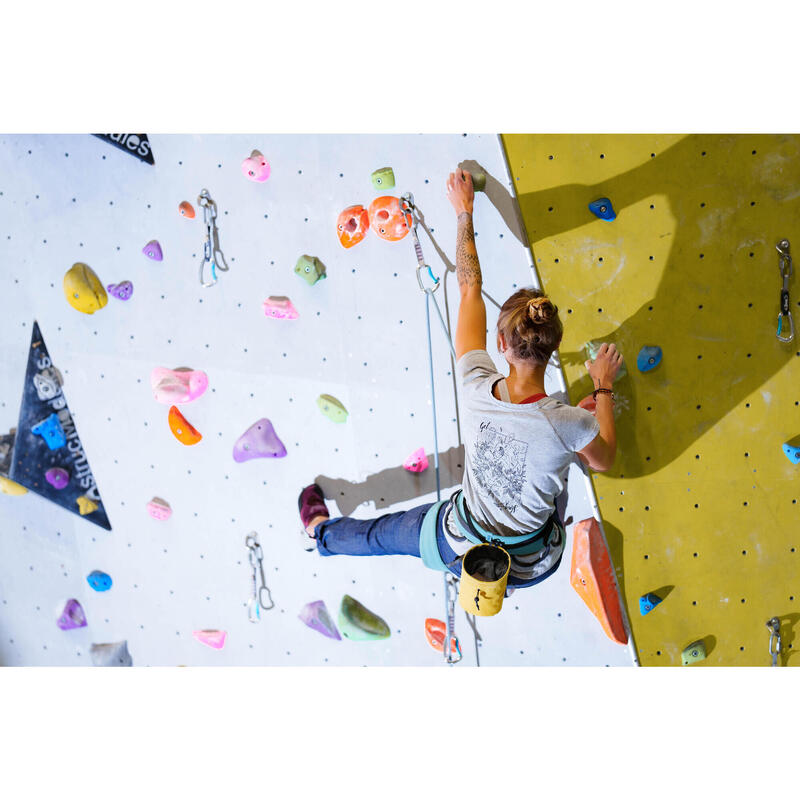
x,y
85,505
332,408
83,289
10,487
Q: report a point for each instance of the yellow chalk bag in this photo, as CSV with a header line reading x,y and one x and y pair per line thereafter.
x,y
484,575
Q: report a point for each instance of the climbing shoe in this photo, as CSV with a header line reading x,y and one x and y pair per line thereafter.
x,y
311,503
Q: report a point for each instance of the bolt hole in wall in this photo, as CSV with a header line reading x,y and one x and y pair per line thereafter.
x,y
101,207
705,214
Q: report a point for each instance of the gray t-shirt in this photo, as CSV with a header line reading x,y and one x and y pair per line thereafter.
x,y
517,455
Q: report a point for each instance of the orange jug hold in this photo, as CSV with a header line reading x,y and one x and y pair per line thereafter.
x,y
435,633
352,225
183,431
388,220
592,577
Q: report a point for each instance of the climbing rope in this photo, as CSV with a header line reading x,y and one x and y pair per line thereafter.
x,y
450,581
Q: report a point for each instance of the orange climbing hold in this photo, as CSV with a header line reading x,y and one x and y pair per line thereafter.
x,y
592,577
352,225
435,633
184,432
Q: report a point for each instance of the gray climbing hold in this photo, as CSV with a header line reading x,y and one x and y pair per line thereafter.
x,y
114,654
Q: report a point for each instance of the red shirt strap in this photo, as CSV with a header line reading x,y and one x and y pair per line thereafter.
x,y
533,398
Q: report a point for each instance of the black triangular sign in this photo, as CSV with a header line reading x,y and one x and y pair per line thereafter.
x,y
44,402
137,144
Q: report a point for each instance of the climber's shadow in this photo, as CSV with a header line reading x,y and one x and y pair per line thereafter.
x,y
716,255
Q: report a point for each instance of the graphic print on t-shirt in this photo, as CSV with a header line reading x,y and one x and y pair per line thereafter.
x,y
500,465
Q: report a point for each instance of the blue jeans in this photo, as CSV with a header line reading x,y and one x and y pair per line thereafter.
x,y
394,535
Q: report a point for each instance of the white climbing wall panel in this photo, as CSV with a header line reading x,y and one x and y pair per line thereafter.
x,y
360,337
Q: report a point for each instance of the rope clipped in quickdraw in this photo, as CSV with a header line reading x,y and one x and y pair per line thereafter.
x,y
450,581
260,593
774,626
212,255
785,268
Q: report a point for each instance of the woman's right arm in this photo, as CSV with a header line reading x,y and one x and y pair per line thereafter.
x,y
600,453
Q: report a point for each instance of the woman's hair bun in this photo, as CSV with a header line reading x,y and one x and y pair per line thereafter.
x,y
540,309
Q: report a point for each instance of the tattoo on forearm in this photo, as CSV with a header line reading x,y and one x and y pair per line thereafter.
x,y
468,269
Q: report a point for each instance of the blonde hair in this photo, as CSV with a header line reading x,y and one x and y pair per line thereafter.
x,y
530,324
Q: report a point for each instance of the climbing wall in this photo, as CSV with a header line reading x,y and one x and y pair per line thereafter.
x,y
360,337
702,504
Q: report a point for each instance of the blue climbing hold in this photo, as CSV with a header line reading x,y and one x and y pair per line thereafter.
x,y
602,208
792,453
647,602
99,581
51,431
648,358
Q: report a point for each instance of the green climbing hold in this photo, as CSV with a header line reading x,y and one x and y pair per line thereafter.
x,y
332,408
358,623
383,179
479,181
310,269
693,653
591,348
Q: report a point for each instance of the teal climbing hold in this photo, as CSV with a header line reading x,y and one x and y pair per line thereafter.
x,y
310,269
647,602
51,431
792,453
693,653
358,623
649,358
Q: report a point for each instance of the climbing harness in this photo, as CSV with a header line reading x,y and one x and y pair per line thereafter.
x,y
785,268
260,590
450,581
774,626
212,255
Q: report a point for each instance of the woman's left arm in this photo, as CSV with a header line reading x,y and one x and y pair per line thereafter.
x,y
471,327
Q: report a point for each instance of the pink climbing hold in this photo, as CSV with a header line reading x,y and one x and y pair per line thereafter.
x,y
417,461
256,167
280,308
57,477
258,441
215,639
181,385
72,616
153,250
159,509
316,616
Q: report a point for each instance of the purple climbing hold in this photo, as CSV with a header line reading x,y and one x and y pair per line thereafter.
x,y
258,441
122,290
72,616
57,477
153,250
316,616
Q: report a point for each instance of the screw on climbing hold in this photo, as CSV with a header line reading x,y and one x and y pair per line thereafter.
x,y
211,638
693,653
159,509
785,268
383,178
417,461
260,597
647,602
332,408
258,441
792,453
388,218
153,251
602,208
122,290
479,181
358,623
310,269
183,431
212,255
649,357
774,626
186,209
316,616
83,289
57,477
51,431
352,225
99,581
280,308
256,167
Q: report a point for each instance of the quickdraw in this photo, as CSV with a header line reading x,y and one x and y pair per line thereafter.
x,y
785,268
450,581
257,602
212,255
774,626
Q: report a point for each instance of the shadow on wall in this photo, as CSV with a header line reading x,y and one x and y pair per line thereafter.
x,y
719,353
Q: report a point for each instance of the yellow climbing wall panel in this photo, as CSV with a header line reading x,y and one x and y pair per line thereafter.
x,y
702,506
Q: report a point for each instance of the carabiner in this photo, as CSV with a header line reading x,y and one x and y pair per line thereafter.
x,y
409,209
785,268
257,601
451,589
774,626
212,255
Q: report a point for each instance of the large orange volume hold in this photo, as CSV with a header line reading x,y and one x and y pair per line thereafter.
x,y
388,219
184,432
592,577
352,225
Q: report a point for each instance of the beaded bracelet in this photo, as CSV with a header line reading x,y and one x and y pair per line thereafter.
x,y
602,391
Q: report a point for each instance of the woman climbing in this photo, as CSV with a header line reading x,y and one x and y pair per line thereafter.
x,y
518,441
